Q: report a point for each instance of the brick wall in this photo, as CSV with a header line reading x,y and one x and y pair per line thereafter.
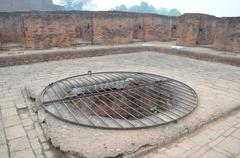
x,y
207,29
40,30
201,29
55,29
138,28
10,28
196,29
158,28
62,29
115,27
228,34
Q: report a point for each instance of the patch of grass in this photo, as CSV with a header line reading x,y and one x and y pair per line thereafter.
x,y
154,109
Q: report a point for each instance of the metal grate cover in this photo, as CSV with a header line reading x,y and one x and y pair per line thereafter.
x,y
118,100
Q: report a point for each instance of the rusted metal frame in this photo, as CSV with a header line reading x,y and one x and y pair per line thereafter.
x,y
112,119
55,106
146,89
72,102
123,73
85,115
183,93
73,115
130,106
79,99
166,81
163,113
186,106
59,116
123,108
91,94
178,108
183,90
114,109
152,114
181,98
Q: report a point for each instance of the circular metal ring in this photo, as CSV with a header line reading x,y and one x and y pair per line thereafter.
x,y
118,100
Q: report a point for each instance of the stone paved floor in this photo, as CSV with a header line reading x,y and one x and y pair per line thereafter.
x,y
220,139
22,137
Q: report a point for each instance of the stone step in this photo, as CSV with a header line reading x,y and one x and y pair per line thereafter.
x,y
12,46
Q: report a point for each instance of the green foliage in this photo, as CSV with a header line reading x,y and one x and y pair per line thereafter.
x,y
162,11
122,8
174,12
154,109
75,4
144,7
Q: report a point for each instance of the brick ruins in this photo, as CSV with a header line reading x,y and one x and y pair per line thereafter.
x,y
41,30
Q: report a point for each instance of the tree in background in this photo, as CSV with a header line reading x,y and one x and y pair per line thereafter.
x,y
144,7
162,11
75,4
121,8
174,12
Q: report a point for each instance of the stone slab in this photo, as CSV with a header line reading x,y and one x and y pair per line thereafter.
x,y
217,86
207,79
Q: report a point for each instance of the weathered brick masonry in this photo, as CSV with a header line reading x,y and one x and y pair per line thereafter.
x,y
43,29
201,29
118,27
159,28
10,28
196,29
40,30
62,29
228,34
114,28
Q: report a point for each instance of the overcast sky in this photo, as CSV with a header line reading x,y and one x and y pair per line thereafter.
x,y
214,7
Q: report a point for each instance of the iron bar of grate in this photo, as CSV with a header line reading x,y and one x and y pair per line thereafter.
x,y
76,104
170,82
86,103
54,105
142,94
72,113
111,108
58,95
182,92
91,94
167,87
181,88
116,113
127,106
130,106
81,100
155,94
66,106
143,103
119,100
179,98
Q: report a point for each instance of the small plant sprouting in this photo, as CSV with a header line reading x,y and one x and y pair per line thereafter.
x,y
154,109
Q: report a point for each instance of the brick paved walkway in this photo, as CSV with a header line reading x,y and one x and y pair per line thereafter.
x,y
220,139
22,137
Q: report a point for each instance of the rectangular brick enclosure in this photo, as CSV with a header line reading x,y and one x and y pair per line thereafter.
x,y
41,30
61,29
